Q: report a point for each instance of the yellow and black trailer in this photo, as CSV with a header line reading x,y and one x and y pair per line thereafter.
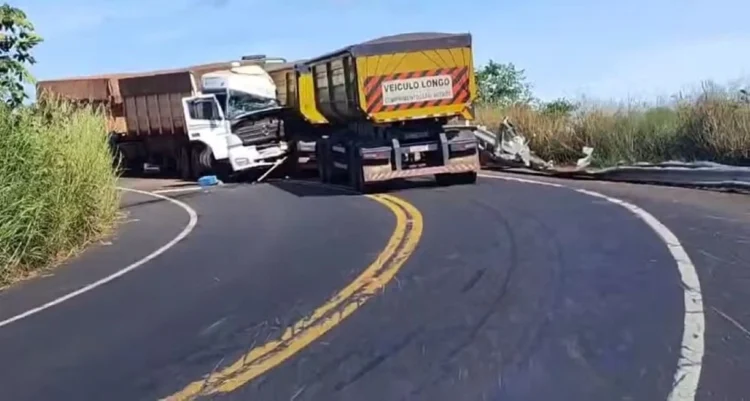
x,y
303,123
381,107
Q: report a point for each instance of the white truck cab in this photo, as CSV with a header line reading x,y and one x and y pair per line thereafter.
x,y
227,98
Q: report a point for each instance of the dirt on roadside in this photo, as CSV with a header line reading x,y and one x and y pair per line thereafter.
x,y
153,183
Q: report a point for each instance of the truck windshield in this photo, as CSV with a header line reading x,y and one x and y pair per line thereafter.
x,y
242,102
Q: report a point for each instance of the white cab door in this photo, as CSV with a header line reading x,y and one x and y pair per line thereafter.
x,y
203,117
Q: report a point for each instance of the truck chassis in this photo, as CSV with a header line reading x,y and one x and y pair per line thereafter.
x,y
364,155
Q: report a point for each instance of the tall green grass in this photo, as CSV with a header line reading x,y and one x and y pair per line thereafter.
x,y
57,188
713,125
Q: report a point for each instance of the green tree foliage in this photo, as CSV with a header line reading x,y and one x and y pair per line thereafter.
x,y
17,38
502,84
559,107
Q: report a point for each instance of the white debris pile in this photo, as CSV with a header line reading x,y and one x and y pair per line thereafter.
x,y
509,148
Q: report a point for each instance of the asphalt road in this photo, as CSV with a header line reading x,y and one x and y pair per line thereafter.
x,y
515,291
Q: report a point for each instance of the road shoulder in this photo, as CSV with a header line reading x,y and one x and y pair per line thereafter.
x,y
148,223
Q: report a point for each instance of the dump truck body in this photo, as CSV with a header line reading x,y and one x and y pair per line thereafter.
x,y
285,80
155,131
384,104
153,101
200,120
153,104
163,118
98,91
397,78
302,121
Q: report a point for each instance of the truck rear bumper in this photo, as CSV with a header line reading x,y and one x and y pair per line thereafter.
x,y
458,154
455,165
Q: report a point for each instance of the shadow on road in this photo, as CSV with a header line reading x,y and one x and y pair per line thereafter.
x,y
148,174
312,188
309,188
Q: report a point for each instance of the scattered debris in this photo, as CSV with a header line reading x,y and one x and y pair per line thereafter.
x,y
208,181
509,148
585,161
271,169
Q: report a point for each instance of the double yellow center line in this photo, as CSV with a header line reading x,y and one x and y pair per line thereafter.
x,y
261,359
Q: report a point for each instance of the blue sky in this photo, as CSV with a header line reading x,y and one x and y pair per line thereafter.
x,y
606,50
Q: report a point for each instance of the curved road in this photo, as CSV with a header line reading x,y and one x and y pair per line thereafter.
x,y
501,291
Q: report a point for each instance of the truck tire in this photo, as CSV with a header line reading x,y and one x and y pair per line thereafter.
x,y
356,178
118,160
321,156
183,164
135,167
196,168
336,175
291,165
466,178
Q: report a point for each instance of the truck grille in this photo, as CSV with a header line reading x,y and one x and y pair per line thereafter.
x,y
258,132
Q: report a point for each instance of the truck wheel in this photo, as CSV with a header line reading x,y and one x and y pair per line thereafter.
x,y
321,170
336,175
119,162
208,163
443,180
291,165
456,179
135,167
466,178
321,156
356,180
196,168
183,164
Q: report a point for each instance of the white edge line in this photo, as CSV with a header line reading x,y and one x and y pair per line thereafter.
x,y
174,190
184,233
689,365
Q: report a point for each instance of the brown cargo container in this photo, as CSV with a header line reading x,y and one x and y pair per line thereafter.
x,y
101,90
153,103
146,111
155,121
155,117
105,89
83,89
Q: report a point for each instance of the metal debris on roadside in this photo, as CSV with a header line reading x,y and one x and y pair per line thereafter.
x,y
509,148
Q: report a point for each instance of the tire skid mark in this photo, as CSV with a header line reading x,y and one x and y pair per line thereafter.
x,y
689,366
371,281
527,341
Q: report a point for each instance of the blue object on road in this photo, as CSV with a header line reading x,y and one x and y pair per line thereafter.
x,y
208,180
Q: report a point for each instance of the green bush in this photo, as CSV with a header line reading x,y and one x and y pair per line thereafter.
x,y
58,189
